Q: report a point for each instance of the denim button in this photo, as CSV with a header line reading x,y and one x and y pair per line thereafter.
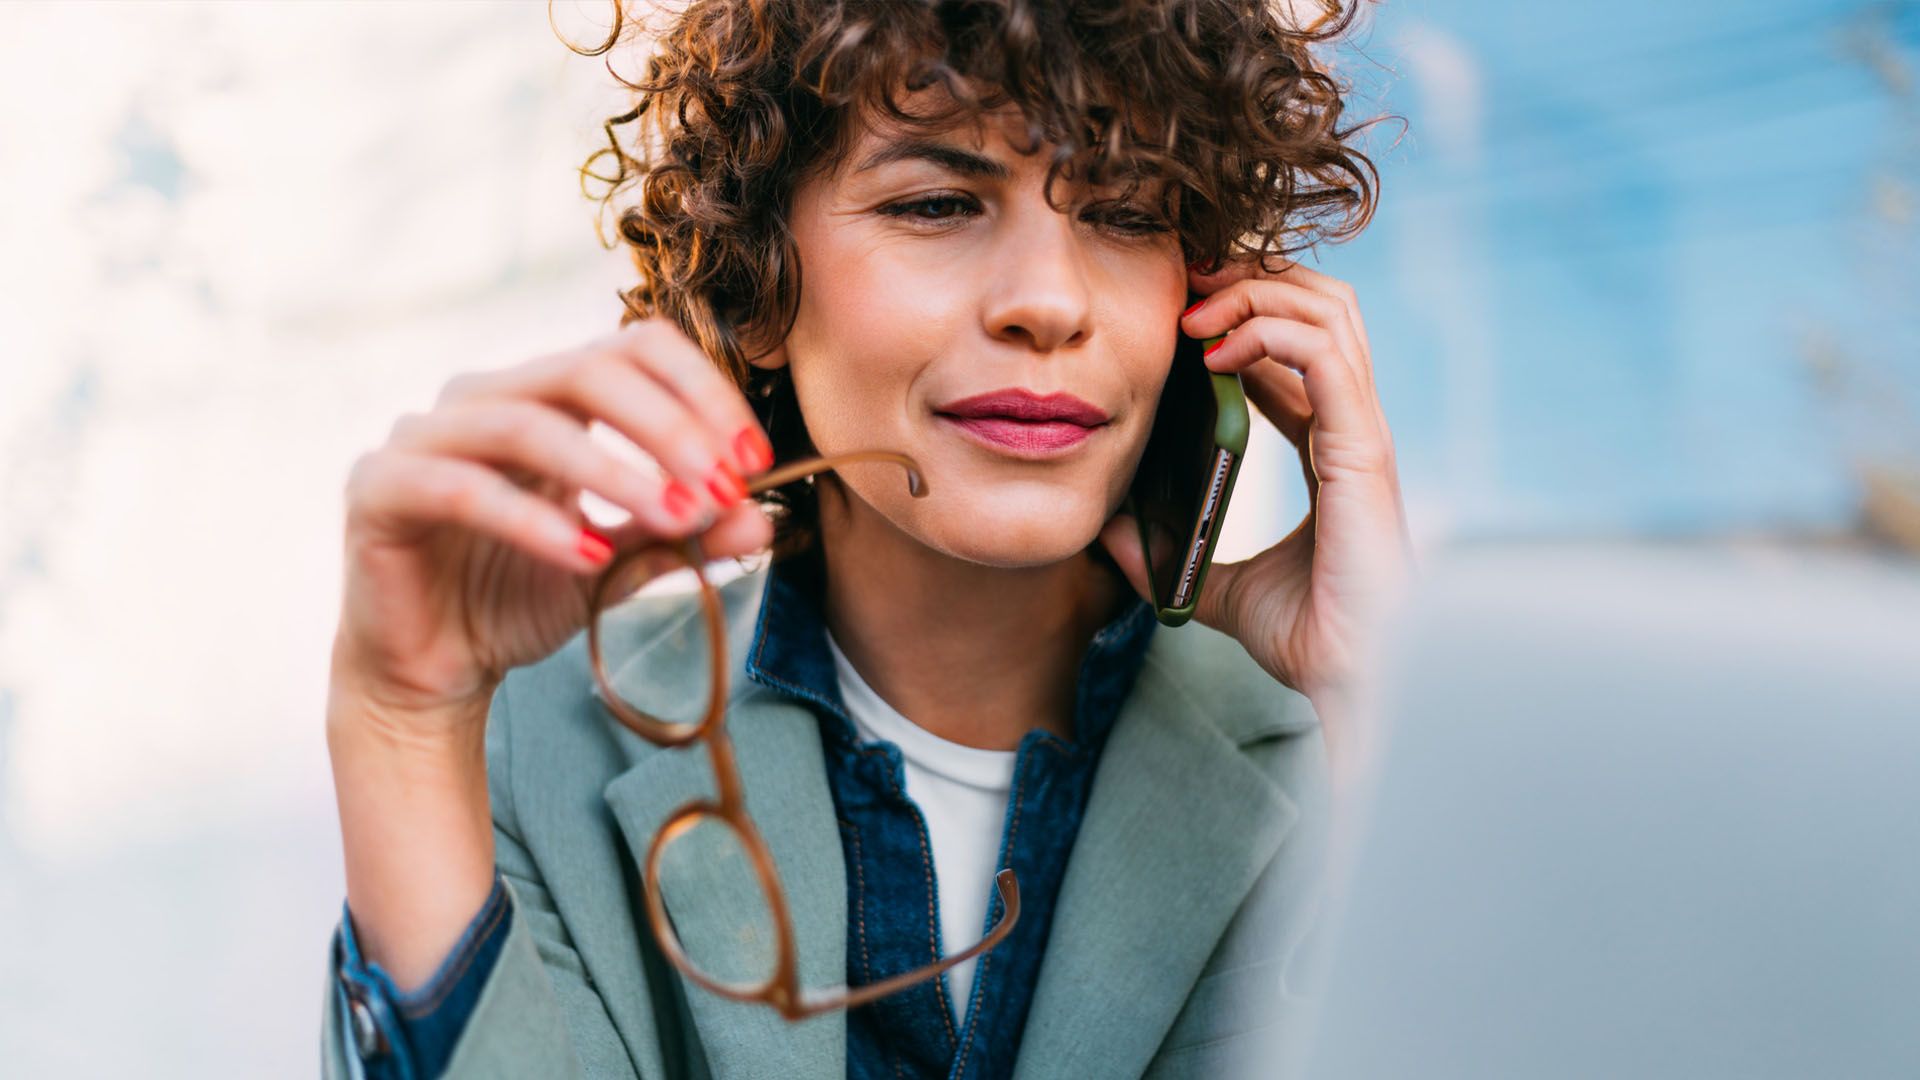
x,y
366,1033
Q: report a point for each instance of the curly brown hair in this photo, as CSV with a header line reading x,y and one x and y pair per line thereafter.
x,y
743,100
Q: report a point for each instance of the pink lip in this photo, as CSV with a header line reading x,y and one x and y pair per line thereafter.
x,y
1025,423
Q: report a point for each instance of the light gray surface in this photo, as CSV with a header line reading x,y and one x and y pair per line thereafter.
x,y
1646,813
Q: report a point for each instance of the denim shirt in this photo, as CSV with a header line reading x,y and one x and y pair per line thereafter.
x,y
410,1036
892,896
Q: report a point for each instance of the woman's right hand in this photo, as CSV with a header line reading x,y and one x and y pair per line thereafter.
x,y
466,551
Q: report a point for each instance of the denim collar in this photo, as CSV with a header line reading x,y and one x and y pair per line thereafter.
x,y
790,654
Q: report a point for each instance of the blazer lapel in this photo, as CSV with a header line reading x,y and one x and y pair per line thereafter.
x,y
782,769
1178,826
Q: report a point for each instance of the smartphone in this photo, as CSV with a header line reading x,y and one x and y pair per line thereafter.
x,y
1180,492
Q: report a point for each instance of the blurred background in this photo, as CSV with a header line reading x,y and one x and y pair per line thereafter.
x,y
1642,275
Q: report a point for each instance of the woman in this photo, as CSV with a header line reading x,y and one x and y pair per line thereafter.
x,y
923,689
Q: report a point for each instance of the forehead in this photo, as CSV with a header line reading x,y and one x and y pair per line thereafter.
x,y
876,140
985,145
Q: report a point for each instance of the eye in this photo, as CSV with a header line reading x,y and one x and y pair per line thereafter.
x,y
906,209
1134,219
1130,220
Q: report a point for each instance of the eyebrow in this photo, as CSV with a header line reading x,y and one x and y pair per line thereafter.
x,y
951,158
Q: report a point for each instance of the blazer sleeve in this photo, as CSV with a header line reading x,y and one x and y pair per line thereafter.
x,y
412,1034
536,1014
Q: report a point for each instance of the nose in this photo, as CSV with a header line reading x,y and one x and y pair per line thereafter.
x,y
1040,297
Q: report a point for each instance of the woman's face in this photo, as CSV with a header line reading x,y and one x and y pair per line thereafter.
x,y
932,277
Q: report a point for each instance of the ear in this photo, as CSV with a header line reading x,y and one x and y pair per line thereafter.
x,y
774,360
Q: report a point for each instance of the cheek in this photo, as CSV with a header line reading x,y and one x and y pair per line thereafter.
x,y
855,390
838,374
1147,366
865,332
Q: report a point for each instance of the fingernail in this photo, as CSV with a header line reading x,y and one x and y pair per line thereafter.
x,y
598,549
678,499
1194,308
726,485
1215,347
752,450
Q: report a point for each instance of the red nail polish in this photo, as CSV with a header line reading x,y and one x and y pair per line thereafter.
x,y
598,549
726,485
752,449
1194,308
678,499
1215,347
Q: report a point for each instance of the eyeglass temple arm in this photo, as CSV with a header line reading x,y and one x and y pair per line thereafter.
x,y
788,473
859,995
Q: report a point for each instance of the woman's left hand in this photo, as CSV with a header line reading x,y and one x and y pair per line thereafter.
x,y
1305,607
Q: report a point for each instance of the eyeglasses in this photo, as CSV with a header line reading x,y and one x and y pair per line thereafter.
x,y
781,990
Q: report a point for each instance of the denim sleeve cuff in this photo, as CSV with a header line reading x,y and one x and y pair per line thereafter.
x,y
410,1036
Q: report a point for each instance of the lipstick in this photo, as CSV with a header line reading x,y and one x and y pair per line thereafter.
x,y
1024,424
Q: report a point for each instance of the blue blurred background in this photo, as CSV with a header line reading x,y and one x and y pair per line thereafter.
x,y
1647,267
1639,271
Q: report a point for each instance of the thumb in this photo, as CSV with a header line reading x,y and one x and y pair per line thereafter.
x,y
1121,537
1215,607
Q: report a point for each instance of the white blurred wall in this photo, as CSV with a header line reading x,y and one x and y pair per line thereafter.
x,y
238,241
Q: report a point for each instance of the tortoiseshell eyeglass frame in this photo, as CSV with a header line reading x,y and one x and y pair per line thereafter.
x,y
781,990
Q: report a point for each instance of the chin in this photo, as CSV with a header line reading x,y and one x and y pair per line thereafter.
x,y
1004,537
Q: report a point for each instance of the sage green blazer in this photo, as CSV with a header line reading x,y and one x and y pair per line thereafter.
x,y
1178,940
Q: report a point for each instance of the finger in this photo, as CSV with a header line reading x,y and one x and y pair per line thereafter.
x,y
1215,604
1341,291
1235,269
1281,396
1344,294
1247,268
598,383
396,489
1247,298
659,346
1333,388
1277,394
1295,273
1337,290
542,440
1121,537
743,530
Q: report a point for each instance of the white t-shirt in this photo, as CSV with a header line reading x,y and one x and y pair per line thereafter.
x,y
962,793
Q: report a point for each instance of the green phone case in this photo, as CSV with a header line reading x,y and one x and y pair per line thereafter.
x,y
1230,428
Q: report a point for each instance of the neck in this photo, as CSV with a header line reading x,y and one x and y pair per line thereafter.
x,y
978,655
